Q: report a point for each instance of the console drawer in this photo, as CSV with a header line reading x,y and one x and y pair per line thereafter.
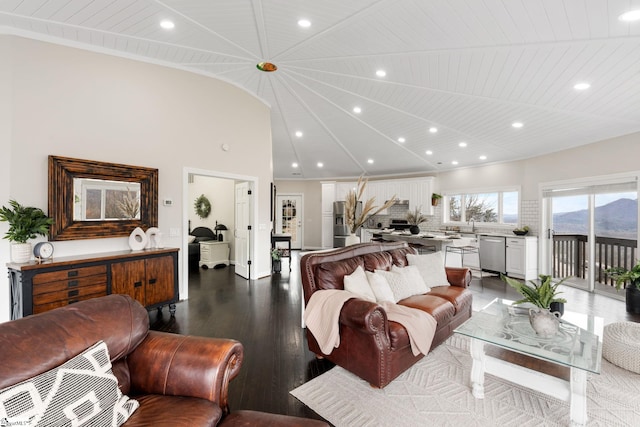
x,y
72,273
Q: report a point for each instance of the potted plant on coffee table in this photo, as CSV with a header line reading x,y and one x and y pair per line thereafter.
x,y
415,218
542,294
630,279
24,223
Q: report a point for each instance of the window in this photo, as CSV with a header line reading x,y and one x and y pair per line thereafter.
x,y
498,207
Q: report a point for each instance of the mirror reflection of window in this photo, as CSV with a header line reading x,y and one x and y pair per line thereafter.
x,y
97,200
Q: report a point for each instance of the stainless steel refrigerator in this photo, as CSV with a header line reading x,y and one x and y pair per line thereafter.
x,y
340,227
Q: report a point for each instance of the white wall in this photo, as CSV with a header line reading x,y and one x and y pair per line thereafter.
x,y
221,194
86,105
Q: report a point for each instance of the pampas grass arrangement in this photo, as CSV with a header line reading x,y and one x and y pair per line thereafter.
x,y
355,221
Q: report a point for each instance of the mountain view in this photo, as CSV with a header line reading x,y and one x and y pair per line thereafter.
x,y
618,219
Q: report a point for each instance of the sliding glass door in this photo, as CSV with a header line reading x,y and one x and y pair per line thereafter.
x,y
589,227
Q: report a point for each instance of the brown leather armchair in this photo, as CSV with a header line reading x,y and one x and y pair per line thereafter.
x,y
178,380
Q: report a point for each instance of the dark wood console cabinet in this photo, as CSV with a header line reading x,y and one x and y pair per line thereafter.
x,y
149,276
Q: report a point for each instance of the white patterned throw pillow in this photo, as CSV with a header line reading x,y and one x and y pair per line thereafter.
x,y
404,282
431,268
81,392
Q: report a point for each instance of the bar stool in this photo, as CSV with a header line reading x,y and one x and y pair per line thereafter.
x,y
464,250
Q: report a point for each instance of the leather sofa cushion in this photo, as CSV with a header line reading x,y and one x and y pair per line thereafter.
x,y
441,309
459,297
399,256
377,261
330,275
157,410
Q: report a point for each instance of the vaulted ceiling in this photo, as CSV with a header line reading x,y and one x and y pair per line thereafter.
x,y
469,69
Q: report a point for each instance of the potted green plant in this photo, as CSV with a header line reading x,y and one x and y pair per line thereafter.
x,y
415,218
630,279
435,199
24,223
276,260
542,294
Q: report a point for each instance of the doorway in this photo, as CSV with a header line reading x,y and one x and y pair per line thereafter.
x,y
289,217
588,227
249,217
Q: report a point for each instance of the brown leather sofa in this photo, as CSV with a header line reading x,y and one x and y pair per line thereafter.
x,y
178,380
375,349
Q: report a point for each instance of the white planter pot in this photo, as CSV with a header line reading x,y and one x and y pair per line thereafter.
x,y
21,252
351,239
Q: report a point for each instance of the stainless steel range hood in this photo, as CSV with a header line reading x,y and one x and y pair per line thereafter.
x,y
401,202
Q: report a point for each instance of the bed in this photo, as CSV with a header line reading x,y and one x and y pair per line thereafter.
x,y
198,234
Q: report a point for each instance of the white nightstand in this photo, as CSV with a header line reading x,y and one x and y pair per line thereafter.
x,y
213,253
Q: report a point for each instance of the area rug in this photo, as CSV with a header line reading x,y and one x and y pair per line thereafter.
x,y
436,392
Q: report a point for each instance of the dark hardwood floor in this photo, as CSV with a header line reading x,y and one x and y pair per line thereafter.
x,y
264,315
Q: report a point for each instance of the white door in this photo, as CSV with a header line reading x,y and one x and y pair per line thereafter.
x,y
289,217
241,232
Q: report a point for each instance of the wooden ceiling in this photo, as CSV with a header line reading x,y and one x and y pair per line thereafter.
x,y
468,68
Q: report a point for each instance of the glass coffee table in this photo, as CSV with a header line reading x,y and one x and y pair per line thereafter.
x,y
577,345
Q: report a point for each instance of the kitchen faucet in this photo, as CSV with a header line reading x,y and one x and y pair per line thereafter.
x,y
473,224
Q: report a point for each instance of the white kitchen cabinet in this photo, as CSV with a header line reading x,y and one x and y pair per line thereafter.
x,y
342,188
421,190
522,257
328,197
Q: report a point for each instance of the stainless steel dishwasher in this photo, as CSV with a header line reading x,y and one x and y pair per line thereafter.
x,y
493,253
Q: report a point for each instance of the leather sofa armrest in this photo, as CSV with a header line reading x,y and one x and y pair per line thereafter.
x,y
364,316
180,365
458,276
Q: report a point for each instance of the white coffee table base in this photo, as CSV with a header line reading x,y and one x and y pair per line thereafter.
x,y
573,391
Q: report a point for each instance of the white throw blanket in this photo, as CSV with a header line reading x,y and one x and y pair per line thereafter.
x,y
322,316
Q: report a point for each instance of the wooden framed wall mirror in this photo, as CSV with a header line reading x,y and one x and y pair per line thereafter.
x,y
92,200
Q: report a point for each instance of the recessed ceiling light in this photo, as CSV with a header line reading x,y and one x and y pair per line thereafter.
x,y
304,23
433,129
357,110
381,73
581,86
294,165
632,15
517,125
320,164
429,152
167,24
299,134
462,144
401,139
483,157
370,161
455,162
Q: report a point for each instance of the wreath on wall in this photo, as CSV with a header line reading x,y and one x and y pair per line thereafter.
x,y
203,206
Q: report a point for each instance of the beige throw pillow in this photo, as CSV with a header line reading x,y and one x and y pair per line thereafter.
x,y
431,268
380,287
358,284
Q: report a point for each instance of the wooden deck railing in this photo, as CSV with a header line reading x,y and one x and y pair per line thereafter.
x,y
570,256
